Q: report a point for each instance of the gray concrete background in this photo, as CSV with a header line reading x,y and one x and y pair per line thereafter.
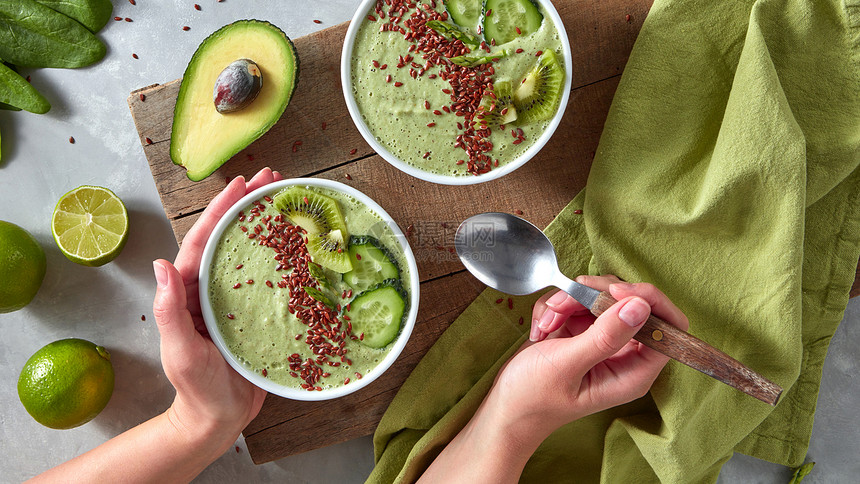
x,y
106,304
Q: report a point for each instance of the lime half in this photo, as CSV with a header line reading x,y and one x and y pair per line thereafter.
x,y
90,225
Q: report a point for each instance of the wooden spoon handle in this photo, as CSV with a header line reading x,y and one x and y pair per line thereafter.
x,y
695,353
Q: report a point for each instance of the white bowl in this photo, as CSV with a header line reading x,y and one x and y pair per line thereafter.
x,y
346,82
259,380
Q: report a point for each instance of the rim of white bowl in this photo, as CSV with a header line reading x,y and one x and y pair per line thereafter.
x,y
346,82
265,383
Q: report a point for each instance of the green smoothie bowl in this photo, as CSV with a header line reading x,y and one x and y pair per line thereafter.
x,y
456,92
308,289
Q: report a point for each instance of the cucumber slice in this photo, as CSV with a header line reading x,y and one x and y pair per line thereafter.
x,y
465,13
377,314
507,17
371,263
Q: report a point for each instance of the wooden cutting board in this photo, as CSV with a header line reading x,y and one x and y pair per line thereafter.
x,y
316,137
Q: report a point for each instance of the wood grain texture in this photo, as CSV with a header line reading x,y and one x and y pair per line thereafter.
x,y
601,38
695,353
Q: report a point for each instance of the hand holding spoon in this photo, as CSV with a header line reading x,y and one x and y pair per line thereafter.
x,y
511,255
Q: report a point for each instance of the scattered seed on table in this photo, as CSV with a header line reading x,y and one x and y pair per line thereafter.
x,y
317,21
186,28
132,2
118,19
323,125
353,151
347,176
628,18
149,142
142,97
72,139
143,317
128,19
197,7
518,212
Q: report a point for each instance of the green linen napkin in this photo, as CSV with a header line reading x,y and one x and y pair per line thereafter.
x,y
727,175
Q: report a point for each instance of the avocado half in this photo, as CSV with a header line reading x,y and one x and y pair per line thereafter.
x,y
202,139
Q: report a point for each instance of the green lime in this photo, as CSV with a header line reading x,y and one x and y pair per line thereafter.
x,y
22,267
90,225
66,383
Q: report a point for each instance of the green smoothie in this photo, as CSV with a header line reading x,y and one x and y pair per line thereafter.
x,y
411,108
251,300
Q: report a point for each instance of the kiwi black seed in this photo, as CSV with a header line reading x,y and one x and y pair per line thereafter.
x,y
537,96
320,216
498,109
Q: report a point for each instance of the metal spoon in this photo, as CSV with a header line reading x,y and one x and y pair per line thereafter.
x,y
511,255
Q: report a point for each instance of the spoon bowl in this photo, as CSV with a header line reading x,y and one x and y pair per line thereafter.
x,y
506,253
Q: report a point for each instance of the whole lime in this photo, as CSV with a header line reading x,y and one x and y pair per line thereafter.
x,y
66,383
22,267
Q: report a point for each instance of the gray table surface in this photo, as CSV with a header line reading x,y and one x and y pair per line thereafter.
x,y
105,304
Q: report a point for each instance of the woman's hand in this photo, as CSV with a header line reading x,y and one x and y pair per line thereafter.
x,y
574,365
210,396
213,403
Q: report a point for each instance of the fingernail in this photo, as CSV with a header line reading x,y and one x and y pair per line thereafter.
x,y
533,334
634,312
624,286
545,320
160,274
557,298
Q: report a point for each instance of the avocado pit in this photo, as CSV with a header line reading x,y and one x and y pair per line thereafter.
x,y
237,86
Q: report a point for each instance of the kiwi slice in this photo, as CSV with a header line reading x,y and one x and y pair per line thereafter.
x,y
537,97
498,109
321,218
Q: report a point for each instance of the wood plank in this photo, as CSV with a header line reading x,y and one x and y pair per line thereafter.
x,y
540,189
598,31
289,427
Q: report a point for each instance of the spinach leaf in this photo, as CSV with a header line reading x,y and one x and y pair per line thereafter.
x,y
16,91
92,14
33,35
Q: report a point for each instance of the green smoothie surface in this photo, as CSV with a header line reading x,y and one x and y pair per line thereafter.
x,y
250,299
411,110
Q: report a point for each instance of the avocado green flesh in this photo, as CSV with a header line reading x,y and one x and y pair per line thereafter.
x,y
202,138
